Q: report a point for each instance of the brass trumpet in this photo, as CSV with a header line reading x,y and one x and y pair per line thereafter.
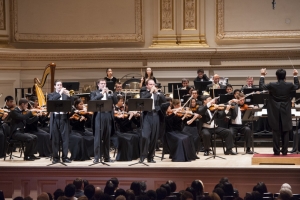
x,y
109,92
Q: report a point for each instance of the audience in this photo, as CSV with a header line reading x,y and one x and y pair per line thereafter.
x,y
261,188
43,196
78,182
89,191
70,192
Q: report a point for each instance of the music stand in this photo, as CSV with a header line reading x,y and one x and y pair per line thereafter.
x,y
100,106
71,85
224,98
260,98
171,86
141,105
249,99
249,116
214,151
216,92
201,85
181,93
59,106
296,136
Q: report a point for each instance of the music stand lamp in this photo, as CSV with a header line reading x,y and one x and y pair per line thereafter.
x,y
100,106
214,151
141,105
59,106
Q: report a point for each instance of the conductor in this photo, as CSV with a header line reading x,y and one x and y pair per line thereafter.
x,y
279,107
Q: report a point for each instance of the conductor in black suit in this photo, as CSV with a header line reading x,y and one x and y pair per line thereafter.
x,y
215,84
279,107
17,129
59,124
151,121
102,129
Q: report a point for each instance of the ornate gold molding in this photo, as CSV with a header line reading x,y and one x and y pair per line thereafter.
x,y
166,14
2,15
246,35
190,14
138,36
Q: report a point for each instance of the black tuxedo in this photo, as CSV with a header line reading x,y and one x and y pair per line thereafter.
x,y
279,110
59,127
102,129
204,78
206,132
151,122
17,130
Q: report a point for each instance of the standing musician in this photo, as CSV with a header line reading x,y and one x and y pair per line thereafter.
x,y
201,76
236,125
118,92
148,76
249,83
59,124
209,129
151,121
17,129
215,84
102,129
279,107
109,76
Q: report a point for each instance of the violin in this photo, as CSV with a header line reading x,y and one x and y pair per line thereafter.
x,y
219,107
83,112
194,109
75,116
246,107
121,114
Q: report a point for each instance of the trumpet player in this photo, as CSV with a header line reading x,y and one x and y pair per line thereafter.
x,y
59,124
102,123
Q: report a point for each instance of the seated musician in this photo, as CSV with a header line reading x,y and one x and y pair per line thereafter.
x,y
128,139
81,141
185,84
229,89
209,128
201,76
181,146
43,138
118,92
196,97
236,93
215,84
249,83
236,124
17,129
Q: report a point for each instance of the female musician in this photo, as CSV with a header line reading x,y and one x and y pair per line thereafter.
x,y
109,76
81,141
181,147
43,138
229,89
148,75
127,138
191,128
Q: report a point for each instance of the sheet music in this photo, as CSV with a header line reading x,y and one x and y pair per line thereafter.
x,y
295,113
263,112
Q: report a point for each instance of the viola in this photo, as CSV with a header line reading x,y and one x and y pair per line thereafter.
x,y
121,114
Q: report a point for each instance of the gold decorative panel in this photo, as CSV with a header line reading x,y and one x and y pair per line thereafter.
x,y
190,14
166,14
2,14
72,21
256,20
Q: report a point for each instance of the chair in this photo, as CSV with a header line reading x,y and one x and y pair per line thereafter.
x,y
297,196
212,142
11,143
237,138
276,195
268,194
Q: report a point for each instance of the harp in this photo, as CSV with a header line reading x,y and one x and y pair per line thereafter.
x,y
50,69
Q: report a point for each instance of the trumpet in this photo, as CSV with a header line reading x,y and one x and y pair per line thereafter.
x,y
65,91
106,90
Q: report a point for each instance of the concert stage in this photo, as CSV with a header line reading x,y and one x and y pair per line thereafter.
x,y
24,178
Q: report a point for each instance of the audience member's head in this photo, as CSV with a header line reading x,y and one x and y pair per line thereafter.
x,y
192,191
143,197
143,186
89,191
50,196
78,183
161,193
172,184
130,195
120,197
151,194
120,192
18,198
109,188
214,196
98,192
261,188
285,194
198,186
136,188
104,197
115,181
255,195
168,188
28,198
82,198
43,196
219,191
85,183
70,190
223,180
58,193
228,189
286,185
186,196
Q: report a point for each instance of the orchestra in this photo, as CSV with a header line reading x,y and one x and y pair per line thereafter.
x,y
187,123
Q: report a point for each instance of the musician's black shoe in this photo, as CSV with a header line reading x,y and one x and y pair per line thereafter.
x,y
28,158
34,157
202,149
197,157
248,151
141,160
66,160
54,161
151,160
230,152
206,152
108,160
276,153
95,161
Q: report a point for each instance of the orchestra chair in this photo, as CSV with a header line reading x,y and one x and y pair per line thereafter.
x,y
237,138
11,143
213,136
269,195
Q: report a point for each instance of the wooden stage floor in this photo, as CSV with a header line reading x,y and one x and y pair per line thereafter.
x,y
18,177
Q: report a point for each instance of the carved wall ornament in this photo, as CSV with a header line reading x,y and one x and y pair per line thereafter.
x,y
245,35
138,36
166,14
190,14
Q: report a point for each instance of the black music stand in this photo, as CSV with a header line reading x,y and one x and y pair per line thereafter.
x,y
214,151
224,98
71,85
216,92
201,85
100,106
59,106
260,98
249,116
249,99
172,86
141,105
